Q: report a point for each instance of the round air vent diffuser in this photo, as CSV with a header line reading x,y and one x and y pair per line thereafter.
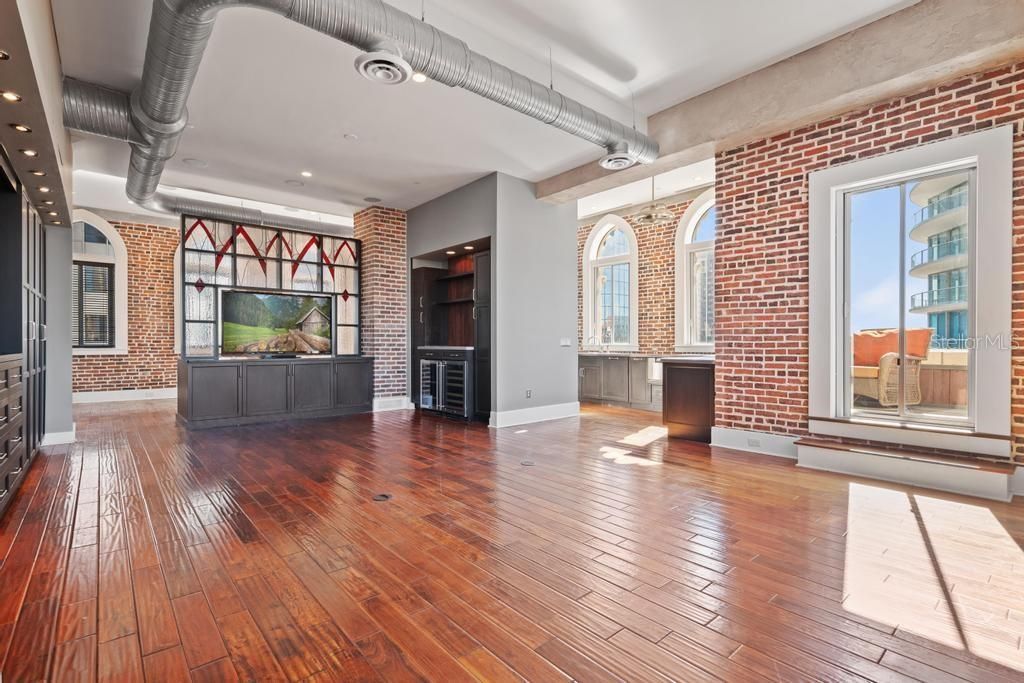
x,y
616,161
383,67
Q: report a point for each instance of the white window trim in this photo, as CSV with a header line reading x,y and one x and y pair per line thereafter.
x,y
992,153
684,248
590,260
120,261
177,299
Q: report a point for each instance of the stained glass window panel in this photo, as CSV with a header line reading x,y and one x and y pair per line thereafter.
x,y
348,310
200,304
199,339
255,273
348,341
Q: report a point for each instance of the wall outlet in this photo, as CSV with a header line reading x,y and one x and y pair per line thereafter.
x,y
529,393
754,443
565,341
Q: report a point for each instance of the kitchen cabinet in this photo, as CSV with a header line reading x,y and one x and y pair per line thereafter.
x,y
618,380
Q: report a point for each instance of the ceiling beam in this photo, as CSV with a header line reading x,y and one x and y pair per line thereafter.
x,y
910,50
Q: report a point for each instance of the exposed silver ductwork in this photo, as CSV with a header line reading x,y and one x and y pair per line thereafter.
x,y
154,116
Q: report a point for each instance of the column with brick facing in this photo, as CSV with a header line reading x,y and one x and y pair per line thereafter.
x,y
385,323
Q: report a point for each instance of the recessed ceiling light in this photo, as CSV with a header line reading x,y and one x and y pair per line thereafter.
x,y
44,189
48,202
21,128
419,78
30,152
10,96
306,174
4,55
56,222
372,200
294,183
39,174
52,213
450,252
352,137
468,247
194,163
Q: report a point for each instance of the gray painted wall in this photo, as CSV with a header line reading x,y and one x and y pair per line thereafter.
x,y
463,215
58,330
535,299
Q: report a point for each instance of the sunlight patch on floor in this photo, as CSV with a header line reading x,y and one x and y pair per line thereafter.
x,y
645,436
944,570
621,456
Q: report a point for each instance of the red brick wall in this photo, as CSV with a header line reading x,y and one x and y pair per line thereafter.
x,y
657,279
150,362
385,302
761,256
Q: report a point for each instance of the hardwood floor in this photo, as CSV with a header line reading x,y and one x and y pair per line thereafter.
x,y
590,549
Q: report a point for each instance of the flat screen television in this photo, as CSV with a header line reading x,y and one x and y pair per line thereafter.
x,y
259,322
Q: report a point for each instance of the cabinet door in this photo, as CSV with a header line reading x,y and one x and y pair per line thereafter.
x,y
482,362
266,388
311,386
616,379
591,381
215,391
639,387
482,278
353,384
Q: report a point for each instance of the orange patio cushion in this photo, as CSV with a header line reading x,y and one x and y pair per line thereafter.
x,y
870,345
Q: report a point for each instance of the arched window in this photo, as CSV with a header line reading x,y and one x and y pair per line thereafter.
x,y
99,287
695,275
610,286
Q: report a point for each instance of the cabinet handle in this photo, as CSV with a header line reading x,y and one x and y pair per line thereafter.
x,y
421,301
474,313
421,316
3,419
16,440
474,294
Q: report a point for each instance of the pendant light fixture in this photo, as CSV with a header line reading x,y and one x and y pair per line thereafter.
x,y
654,213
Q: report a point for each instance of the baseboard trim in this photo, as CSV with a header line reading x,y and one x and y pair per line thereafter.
x,y
764,443
124,395
514,418
926,474
58,438
387,403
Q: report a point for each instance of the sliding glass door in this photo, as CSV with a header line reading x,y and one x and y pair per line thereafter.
x,y
907,343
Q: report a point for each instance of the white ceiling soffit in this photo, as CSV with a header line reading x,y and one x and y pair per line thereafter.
x,y
101,191
273,99
667,184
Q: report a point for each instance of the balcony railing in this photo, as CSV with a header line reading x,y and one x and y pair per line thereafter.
x,y
939,297
940,206
939,251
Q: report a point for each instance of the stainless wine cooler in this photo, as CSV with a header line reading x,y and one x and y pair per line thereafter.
x,y
446,382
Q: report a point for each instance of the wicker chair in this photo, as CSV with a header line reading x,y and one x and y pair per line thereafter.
x,y
882,382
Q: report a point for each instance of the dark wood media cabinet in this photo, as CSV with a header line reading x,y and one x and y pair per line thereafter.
x,y
230,391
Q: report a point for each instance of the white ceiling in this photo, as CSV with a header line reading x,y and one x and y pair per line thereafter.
x,y
273,98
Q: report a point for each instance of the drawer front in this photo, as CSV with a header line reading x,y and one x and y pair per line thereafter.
x,y
11,376
13,441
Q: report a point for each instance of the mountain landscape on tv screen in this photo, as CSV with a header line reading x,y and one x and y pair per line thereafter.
x,y
275,323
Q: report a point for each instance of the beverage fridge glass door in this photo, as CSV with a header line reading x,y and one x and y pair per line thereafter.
x,y
455,388
431,384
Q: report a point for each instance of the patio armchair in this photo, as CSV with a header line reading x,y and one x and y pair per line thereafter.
x,y
876,365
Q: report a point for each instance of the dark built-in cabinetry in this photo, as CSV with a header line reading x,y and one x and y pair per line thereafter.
x,y
689,410
620,380
217,393
451,323
22,333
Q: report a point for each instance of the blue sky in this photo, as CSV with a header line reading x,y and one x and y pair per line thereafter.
x,y
874,260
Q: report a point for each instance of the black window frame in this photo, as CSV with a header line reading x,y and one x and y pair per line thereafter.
x,y
111,293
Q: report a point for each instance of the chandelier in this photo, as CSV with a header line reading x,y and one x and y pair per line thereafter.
x,y
654,213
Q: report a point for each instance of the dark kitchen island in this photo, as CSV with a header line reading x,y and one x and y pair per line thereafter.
x,y
688,408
